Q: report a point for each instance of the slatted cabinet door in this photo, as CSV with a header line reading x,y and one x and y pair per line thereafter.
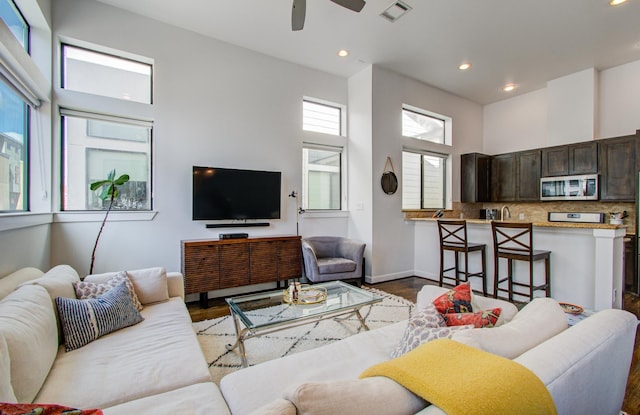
x,y
290,259
234,265
264,261
200,266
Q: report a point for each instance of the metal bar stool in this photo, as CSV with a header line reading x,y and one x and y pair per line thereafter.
x,y
453,237
514,241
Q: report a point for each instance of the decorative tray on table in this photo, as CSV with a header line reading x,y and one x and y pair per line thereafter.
x,y
571,308
305,295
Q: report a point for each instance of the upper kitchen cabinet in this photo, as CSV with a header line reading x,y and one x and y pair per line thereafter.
x,y
618,173
528,176
555,161
503,178
583,158
579,158
475,178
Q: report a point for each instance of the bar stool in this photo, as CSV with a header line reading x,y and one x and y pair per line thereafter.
x,y
514,241
453,237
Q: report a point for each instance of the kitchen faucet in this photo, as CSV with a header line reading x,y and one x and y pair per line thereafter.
x,y
502,212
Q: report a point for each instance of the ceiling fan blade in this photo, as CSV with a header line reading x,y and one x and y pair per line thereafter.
x,y
298,12
355,5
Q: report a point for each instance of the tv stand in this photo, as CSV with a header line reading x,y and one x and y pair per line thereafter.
x,y
236,225
209,265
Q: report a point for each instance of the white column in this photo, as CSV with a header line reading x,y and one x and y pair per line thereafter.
x,y
609,250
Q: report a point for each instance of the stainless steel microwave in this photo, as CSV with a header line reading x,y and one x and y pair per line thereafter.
x,y
583,187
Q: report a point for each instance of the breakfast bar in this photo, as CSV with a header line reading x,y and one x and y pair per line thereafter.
x,y
586,259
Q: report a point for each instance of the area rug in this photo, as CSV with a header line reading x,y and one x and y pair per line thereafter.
x,y
215,334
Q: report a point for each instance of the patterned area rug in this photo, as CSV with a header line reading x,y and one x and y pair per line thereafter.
x,y
215,334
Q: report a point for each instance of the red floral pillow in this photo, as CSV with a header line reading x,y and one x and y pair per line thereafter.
x,y
486,318
43,409
456,300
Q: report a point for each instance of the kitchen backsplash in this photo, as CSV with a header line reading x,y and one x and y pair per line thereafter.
x,y
536,212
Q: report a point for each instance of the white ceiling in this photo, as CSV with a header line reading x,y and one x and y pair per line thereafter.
x,y
526,42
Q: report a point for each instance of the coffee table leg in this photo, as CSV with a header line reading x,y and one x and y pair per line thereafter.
x,y
364,325
240,334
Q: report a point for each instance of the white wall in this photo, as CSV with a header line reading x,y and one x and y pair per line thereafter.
x,y
593,105
393,238
214,105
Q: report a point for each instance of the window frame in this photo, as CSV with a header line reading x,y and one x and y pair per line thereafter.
x,y
305,183
339,107
430,148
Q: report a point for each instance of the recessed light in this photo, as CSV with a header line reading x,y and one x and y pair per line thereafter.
x,y
616,2
343,53
509,87
464,66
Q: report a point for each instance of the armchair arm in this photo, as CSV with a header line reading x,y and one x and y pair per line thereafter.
x,y
310,260
351,249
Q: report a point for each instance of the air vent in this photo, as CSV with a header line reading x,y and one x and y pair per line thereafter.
x,y
396,11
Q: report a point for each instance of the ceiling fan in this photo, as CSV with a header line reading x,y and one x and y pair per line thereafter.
x,y
300,7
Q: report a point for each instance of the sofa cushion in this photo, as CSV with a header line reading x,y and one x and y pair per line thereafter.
x,y
335,265
479,319
278,407
538,321
9,282
43,409
84,321
86,290
359,396
163,350
197,399
28,325
456,300
150,284
6,391
58,281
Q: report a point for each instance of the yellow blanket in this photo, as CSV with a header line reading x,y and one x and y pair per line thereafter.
x,y
462,380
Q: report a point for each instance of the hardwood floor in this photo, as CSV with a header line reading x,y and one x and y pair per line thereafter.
x,y
409,287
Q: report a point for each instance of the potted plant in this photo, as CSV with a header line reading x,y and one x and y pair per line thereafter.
x,y
109,191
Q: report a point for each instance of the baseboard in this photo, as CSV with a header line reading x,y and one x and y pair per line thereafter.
x,y
374,279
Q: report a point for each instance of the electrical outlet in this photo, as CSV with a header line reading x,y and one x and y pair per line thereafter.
x,y
521,216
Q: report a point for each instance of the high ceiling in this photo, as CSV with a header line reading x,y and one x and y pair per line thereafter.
x,y
525,42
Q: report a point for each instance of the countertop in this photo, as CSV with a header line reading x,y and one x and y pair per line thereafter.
x,y
574,225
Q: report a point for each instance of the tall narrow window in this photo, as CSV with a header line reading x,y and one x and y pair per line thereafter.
x,y
106,75
322,178
96,144
322,118
14,126
424,180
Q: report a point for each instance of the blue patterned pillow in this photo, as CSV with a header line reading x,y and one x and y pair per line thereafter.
x,y
84,321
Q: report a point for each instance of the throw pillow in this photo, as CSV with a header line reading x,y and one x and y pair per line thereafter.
x,y
374,395
86,290
84,321
43,409
425,336
486,318
456,300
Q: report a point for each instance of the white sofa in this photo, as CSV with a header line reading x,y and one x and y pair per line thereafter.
x,y
585,367
153,367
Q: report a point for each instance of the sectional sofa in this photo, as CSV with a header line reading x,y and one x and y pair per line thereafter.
x,y
156,366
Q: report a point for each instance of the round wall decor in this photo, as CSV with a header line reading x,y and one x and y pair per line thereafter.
x,y
389,181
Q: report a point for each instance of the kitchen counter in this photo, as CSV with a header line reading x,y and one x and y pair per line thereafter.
x,y
586,258
574,225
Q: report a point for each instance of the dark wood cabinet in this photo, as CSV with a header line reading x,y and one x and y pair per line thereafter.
x,y
555,161
215,264
528,176
618,173
475,178
580,158
583,158
503,178
630,270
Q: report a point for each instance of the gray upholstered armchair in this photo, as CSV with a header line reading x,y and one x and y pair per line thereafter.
x,y
328,258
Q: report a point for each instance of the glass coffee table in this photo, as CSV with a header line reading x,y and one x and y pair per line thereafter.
x,y
267,312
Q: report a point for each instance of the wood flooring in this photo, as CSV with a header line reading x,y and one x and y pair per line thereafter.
x,y
409,287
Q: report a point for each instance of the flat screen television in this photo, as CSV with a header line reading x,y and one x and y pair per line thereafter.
x,y
233,194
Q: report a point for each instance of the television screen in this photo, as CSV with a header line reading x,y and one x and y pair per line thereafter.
x,y
220,194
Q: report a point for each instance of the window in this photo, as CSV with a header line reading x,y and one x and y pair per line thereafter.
x,y
426,171
322,178
106,75
14,125
422,126
93,146
322,118
424,180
